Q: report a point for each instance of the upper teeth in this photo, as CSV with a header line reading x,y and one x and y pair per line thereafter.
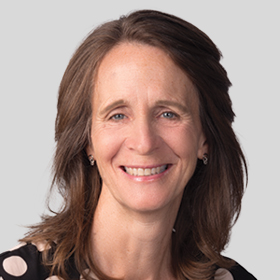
x,y
145,171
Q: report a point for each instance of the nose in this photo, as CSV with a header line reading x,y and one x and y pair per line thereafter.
x,y
143,137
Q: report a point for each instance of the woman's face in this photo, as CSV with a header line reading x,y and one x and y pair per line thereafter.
x,y
146,131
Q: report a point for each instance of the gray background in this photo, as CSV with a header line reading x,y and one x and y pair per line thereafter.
x,y
37,41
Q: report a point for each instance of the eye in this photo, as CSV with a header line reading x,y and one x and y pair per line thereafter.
x,y
169,115
117,117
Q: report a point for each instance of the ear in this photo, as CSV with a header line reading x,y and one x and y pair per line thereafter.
x,y
90,150
203,147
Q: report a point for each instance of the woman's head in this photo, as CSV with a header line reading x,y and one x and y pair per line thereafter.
x,y
187,46
212,197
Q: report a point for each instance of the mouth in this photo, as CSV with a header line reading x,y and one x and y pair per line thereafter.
x,y
145,171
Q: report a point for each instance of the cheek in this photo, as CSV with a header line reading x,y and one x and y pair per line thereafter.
x,y
106,144
184,141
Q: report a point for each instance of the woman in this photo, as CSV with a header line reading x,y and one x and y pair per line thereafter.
x,y
147,162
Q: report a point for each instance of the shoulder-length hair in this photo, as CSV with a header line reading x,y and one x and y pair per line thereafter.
x,y
212,198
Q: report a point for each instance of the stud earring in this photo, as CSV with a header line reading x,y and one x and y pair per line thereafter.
x,y
91,160
205,159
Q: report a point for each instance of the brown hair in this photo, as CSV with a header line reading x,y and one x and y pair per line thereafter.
x,y
212,199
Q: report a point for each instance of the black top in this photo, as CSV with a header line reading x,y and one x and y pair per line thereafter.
x,y
25,263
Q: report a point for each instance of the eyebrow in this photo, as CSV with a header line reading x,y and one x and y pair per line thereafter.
x,y
121,102
181,107
112,105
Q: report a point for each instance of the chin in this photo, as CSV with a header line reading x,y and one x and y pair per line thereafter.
x,y
152,203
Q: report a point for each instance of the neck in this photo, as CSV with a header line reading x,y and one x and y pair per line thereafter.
x,y
133,245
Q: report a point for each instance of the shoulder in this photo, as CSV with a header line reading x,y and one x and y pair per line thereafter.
x,y
237,272
23,262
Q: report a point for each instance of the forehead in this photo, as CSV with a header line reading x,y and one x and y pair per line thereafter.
x,y
133,67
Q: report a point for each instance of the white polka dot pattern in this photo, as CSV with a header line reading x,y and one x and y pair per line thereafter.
x,y
15,266
223,274
54,278
41,246
91,274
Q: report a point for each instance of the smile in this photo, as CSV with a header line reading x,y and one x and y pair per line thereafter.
x,y
145,171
